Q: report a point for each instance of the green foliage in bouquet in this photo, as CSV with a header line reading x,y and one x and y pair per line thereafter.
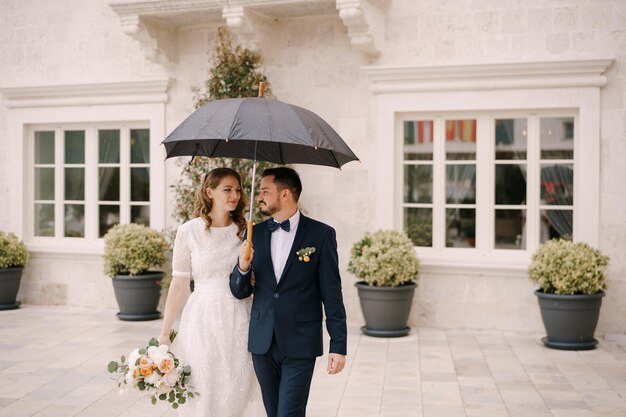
x,y
235,73
564,267
132,249
13,252
385,258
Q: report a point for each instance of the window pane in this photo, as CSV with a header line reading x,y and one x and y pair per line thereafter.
x,y
511,135
44,147
557,138
461,184
140,215
511,184
74,220
139,184
109,184
44,219
418,184
75,147
75,184
510,233
460,139
556,223
461,228
44,183
139,146
108,217
418,140
557,184
418,224
109,146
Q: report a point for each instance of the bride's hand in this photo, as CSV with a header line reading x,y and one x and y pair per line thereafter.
x,y
244,264
164,340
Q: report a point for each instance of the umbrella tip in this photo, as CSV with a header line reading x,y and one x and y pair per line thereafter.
x,y
261,89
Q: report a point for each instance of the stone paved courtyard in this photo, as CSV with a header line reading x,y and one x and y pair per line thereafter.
x,y
53,363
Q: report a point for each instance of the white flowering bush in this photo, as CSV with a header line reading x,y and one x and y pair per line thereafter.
x,y
564,267
132,249
13,252
384,259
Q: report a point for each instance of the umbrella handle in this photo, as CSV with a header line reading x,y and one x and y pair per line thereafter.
x,y
249,238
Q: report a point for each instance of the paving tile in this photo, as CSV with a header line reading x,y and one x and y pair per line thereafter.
x,y
58,358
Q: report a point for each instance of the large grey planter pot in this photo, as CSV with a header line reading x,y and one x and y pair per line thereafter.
x,y
138,296
9,286
570,320
385,309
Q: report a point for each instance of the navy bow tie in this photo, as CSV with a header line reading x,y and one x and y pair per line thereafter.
x,y
273,225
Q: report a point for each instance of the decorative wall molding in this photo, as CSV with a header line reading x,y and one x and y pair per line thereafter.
x,y
155,23
246,24
365,20
516,75
158,41
132,92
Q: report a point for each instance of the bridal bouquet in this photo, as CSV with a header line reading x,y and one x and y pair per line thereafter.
x,y
156,371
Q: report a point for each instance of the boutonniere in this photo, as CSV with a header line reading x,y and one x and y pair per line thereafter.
x,y
304,254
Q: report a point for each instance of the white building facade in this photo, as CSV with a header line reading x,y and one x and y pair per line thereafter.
x,y
484,128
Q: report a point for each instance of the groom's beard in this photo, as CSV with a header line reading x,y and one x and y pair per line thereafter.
x,y
270,210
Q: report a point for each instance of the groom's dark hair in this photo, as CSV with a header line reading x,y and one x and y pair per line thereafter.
x,y
286,178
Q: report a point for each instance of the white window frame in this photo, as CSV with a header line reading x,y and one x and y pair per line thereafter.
x,y
571,87
91,166
140,103
485,176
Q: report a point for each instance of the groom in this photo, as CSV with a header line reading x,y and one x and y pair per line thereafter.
x,y
296,271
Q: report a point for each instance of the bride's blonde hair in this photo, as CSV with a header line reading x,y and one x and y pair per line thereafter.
x,y
204,204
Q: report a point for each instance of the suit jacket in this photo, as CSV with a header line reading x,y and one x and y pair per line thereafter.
x,y
292,309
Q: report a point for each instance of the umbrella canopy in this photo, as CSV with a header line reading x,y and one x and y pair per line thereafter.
x,y
259,128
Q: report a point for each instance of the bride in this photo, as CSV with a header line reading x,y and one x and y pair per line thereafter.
x,y
213,332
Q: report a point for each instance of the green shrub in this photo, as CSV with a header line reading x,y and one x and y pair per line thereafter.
x,y
384,259
13,252
564,267
132,249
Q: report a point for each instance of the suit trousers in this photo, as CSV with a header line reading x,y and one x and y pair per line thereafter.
x,y
285,382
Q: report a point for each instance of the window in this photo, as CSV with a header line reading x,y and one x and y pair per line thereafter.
x,y
524,162
87,179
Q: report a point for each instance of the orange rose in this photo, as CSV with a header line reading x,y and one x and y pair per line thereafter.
x,y
166,365
306,258
137,372
145,362
146,371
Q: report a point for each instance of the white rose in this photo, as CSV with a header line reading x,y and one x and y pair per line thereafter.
x,y
172,377
156,353
132,358
154,379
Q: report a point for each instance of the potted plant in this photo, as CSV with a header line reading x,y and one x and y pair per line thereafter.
x,y
13,259
571,278
386,263
129,253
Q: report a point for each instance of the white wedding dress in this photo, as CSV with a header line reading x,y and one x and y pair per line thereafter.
x,y
213,332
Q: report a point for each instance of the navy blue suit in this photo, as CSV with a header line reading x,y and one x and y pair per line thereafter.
x,y
286,321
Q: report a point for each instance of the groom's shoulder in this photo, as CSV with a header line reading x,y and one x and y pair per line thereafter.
x,y
318,225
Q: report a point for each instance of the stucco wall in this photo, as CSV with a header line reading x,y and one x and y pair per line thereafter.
x,y
310,62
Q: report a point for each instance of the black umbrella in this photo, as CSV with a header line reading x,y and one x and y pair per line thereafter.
x,y
260,129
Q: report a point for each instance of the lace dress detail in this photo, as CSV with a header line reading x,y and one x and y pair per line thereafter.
x,y
213,332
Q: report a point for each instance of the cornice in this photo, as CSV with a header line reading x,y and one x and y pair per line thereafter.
x,y
515,75
154,23
129,92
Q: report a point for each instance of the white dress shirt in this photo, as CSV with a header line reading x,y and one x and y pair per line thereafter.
x,y
281,243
